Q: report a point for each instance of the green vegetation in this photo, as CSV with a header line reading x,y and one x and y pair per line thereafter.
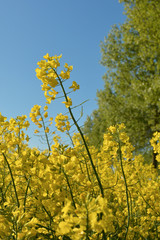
x,y
131,94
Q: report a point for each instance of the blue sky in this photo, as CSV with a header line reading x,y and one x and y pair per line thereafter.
x,y
30,29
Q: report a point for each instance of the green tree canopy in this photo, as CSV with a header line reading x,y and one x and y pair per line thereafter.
x,y
131,94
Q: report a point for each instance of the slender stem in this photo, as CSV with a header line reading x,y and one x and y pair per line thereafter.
x,y
127,196
14,186
69,188
87,225
26,192
146,200
48,213
47,228
70,138
85,160
82,136
49,148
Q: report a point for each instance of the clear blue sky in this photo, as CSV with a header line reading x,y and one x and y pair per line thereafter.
x,y
32,28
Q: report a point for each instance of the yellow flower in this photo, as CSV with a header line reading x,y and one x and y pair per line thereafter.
x,y
46,56
40,119
54,64
52,82
27,138
121,126
45,114
62,122
75,86
68,103
112,129
45,108
123,137
2,119
36,131
49,99
47,130
65,75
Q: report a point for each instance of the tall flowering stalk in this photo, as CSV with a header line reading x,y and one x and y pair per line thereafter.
x,y
47,73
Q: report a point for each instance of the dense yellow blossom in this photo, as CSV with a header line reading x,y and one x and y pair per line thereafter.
x,y
62,122
54,193
63,186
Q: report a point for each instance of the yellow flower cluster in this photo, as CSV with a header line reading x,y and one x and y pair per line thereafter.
x,y
66,73
35,112
56,195
155,142
68,103
38,119
48,74
62,122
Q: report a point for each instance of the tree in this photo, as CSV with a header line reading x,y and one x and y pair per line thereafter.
x,y
131,94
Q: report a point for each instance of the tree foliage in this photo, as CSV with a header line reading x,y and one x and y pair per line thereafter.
x,y
131,94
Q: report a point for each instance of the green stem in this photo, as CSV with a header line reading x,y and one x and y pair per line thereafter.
x,y
82,136
14,186
147,201
70,138
85,160
26,192
87,225
127,196
49,148
69,188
